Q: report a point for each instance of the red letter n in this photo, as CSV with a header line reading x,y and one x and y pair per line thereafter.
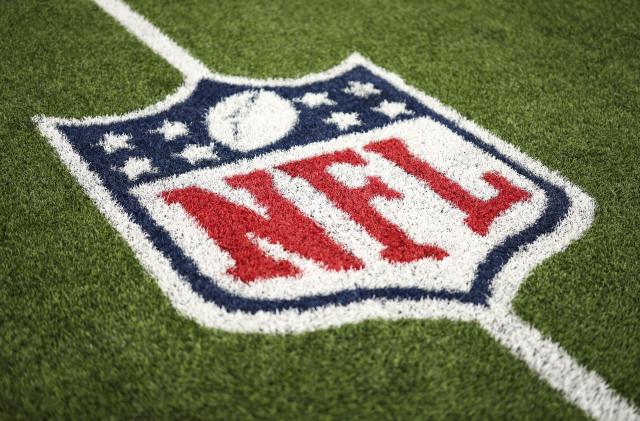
x,y
228,225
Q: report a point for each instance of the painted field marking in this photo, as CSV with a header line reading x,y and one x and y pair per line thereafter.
x,y
492,309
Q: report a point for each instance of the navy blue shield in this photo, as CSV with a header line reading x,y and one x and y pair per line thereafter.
x,y
289,205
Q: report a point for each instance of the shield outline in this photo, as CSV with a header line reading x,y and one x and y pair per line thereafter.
x,y
503,286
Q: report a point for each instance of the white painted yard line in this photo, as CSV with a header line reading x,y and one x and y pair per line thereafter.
x,y
583,387
153,38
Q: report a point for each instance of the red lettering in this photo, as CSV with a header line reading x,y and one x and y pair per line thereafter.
x,y
480,213
228,225
355,201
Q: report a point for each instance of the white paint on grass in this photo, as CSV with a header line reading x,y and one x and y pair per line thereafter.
x,y
313,100
153,38
579,385
361,90
343,121
172,130
196,153
392,109
134,167
251,119
111,142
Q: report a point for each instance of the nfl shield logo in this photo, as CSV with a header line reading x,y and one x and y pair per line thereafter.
x,y
290,205
283,206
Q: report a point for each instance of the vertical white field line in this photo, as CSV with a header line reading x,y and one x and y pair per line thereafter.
x,y
584,388
153,38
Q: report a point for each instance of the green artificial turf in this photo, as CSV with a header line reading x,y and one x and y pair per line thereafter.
x,y
85,333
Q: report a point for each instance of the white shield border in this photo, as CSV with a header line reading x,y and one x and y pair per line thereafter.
x,y
504,286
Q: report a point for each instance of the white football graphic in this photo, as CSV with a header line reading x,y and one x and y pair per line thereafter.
x,y
251,119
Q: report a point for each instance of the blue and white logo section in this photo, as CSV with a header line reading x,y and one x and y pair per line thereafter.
x,y
292,205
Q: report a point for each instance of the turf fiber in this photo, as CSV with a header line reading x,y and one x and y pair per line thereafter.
x,y
86,333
